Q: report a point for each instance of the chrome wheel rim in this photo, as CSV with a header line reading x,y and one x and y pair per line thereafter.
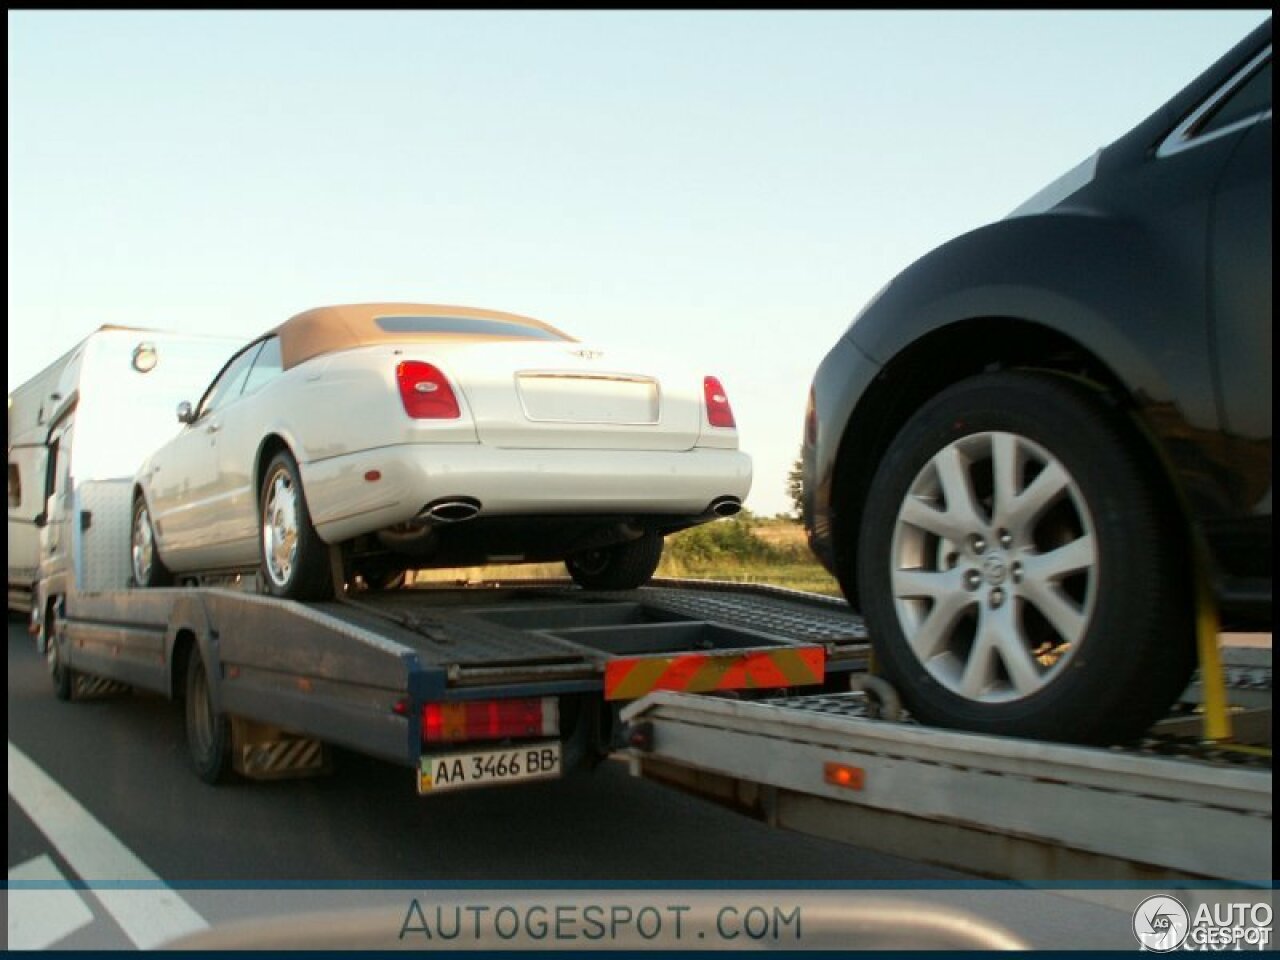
x,y
280,527
994,567
143,547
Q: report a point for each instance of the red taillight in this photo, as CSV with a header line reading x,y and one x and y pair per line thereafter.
x,y
719,413
490,719
425,392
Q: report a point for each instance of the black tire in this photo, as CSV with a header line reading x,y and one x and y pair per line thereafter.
x,y
208,733
300,572
63,677
1081,603
623,566
145,566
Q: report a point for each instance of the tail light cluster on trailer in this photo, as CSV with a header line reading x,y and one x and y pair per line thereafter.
x,y
462,720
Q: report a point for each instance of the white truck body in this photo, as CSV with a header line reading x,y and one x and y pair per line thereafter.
x,y
78,431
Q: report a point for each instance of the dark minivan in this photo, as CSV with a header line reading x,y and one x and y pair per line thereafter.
x,y
1043,451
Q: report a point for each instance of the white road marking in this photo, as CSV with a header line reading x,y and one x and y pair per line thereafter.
x,y
41,915
147,910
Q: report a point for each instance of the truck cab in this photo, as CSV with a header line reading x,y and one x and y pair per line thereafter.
x,y
77,433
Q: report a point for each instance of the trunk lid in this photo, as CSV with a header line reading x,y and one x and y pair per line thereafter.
x,y
564,395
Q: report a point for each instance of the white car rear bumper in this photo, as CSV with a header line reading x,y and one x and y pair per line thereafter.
x,y
368,491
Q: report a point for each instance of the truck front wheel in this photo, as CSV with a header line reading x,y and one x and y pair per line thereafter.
x,y
64,678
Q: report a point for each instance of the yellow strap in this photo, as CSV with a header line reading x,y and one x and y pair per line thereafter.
x,y
1217,720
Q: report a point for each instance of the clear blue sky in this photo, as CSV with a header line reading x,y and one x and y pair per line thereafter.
x,y
731,186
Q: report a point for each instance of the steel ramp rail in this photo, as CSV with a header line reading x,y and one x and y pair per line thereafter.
x,y
1018,809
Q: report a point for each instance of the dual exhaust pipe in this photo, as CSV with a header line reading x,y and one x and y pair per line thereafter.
x,y
460,509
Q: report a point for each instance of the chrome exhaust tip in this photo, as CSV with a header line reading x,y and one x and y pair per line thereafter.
x,y
726,506
450,510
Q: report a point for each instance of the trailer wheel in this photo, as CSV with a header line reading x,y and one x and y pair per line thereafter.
x,y
208,733
623,566
294,559
63,677
145,565
1017,572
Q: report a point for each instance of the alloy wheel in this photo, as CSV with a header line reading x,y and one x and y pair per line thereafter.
x,y
994,567
280,528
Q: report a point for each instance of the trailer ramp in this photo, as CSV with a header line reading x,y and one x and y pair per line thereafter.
x,y
1016,809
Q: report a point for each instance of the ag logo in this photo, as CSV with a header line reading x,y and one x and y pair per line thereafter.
x,y
1160,924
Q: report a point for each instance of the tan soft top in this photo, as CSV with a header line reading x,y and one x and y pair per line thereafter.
x,y
326,329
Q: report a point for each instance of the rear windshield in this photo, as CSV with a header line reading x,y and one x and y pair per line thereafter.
x,y
469,326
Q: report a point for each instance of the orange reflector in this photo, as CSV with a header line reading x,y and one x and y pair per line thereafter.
x,y
373,476
843,775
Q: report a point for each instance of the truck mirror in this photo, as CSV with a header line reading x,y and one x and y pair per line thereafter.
x,y
185,413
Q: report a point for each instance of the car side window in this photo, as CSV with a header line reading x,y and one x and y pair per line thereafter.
x,y
15,486
1250,99
230,382
266,368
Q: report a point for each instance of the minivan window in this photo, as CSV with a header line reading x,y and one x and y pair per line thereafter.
x,y
1250,99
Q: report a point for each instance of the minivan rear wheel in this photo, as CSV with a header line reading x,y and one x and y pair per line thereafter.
x,y
1015,569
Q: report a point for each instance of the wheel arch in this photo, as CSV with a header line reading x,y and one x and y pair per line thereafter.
x,y
317,584
272,444
184,647
951,354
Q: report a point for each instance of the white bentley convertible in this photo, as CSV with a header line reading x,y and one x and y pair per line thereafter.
x,y
420,436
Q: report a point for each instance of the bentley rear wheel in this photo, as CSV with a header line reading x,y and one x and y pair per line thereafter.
x,y
623,566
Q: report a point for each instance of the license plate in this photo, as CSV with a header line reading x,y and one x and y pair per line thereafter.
x,y
454,771
567,398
